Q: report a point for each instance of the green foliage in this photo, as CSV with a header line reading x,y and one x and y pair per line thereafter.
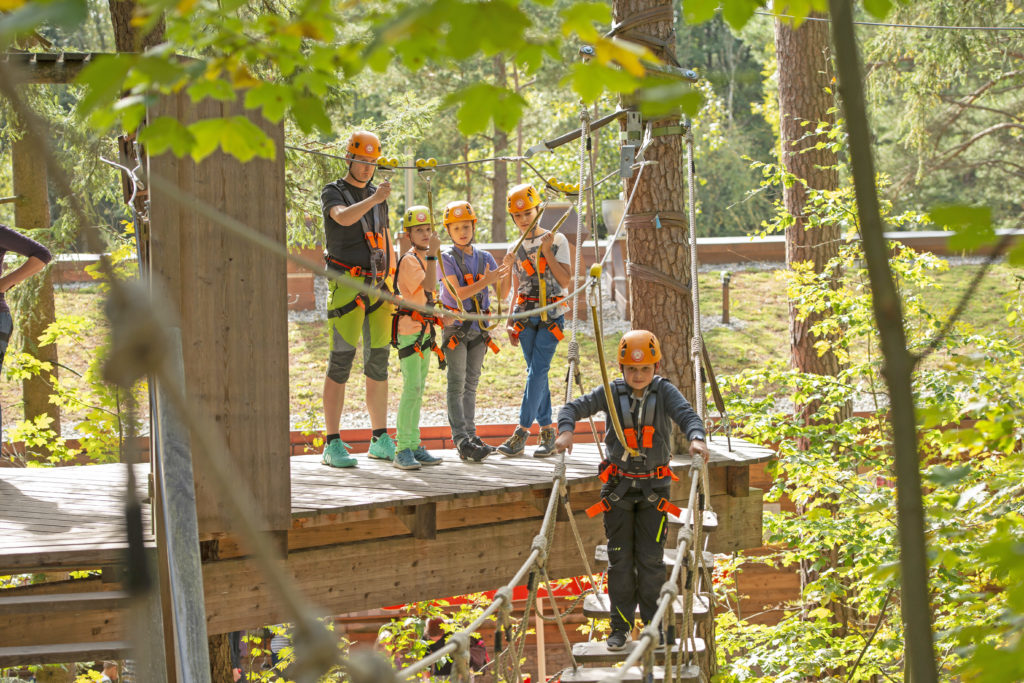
x,y
405,639
839,476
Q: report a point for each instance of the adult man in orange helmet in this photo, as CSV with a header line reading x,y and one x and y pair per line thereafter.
x,y
358,249
637,482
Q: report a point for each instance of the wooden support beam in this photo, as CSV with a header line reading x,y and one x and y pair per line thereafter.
x,y
61,653
379,572
420,520
73,602
739,522
42,67
737,480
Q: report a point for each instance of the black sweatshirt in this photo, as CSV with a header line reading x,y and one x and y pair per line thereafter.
x,y
671,407
11,240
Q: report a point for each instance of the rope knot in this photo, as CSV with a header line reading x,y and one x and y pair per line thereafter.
x,y
559,474
540,544
696,344
574,352
670,589
685,536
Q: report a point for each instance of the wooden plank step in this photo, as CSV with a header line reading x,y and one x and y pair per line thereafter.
x,y
710,520
601,555
634,673
598,606
63,602
26,655
596,651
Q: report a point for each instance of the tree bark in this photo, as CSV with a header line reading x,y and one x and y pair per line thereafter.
x,y
898,362
219,644
659,257
33,212
805,72
499,184
129,38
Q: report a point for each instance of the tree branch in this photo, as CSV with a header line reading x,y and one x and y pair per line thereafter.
x,y
961,305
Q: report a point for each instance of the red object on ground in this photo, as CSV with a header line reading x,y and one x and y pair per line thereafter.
x,y
572,587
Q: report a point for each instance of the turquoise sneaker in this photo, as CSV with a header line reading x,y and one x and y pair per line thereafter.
x,y
336,455
382,448
405,460
425,458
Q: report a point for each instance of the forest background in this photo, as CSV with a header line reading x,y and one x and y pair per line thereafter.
x,y
946,122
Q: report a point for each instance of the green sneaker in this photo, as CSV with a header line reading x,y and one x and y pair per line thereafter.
x,y
382,448
336,455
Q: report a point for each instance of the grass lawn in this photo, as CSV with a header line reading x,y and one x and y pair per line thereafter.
x,y
758,334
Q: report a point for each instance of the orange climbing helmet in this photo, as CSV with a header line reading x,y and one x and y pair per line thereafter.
x,y
522,198
416,215
459,210
639,347
364,143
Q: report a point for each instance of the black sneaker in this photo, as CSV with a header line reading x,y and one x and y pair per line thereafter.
x,y
617,641
469,451
480,442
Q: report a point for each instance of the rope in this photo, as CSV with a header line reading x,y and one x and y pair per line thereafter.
x,y
574,346
697,343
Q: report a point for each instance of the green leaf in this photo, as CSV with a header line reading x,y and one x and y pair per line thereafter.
x,y
32,15
669,98
698,11
972,225
878,8
738,12
1016,255
237,136
581,17
272,98
944,476
166,133
103,79
482,102
590,80
216,88
309,114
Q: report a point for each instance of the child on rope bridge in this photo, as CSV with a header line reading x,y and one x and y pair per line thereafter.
x,y
636,488
542,274
412,333
469,272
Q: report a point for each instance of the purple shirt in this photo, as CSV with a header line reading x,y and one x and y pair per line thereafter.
x,y
477,263
11,240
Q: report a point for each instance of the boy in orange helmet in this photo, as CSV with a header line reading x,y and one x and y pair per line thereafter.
x,y
637,487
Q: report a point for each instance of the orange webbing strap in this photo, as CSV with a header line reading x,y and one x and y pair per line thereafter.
x,y
647,438
664,505
453,341
665,471
527,265
610,471
600,506
554,329
492,346
630,435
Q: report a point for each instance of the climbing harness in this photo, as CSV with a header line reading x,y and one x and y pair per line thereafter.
x,y
468,276
426,340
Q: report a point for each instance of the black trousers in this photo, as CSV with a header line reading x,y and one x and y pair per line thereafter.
x,y
636,533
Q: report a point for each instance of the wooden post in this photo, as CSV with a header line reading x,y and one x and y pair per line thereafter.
x,y
542,664
725,296
33,211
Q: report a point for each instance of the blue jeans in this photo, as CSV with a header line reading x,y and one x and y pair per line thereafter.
x,y
6,327
538,345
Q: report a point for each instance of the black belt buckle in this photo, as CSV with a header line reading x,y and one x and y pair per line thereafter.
x,y
378,260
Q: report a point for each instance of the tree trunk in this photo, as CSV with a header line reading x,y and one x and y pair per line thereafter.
x,y
33,212
659,260
129,38
55,673
805,72
499,184
220,658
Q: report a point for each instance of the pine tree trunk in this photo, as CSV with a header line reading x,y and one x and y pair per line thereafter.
x,y
659,259
129,38
33,211
499,184
805,71
220,658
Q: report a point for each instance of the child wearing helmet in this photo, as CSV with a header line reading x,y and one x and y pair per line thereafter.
x,y
359,248
541,276
469,272
412,333
636,476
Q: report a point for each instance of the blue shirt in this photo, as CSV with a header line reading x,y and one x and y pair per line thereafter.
x,y
477,263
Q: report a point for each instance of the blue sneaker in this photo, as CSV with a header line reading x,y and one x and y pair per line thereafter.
x,y
424,458
382,448
405,459
336,455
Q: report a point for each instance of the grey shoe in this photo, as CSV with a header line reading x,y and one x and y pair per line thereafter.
x,y
425,458
547,443
515,445
617,641
483,444
405,460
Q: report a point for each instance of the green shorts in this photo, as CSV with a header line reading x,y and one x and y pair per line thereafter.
x,y
346,330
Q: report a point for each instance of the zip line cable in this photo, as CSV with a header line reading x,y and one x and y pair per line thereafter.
x,y
879,24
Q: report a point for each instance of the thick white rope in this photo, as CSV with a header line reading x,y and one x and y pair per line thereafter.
x,y
697,343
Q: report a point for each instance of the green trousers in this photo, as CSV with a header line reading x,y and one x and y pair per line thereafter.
x,y
414,378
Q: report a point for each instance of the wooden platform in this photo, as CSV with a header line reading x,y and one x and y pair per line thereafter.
x,y
360,538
